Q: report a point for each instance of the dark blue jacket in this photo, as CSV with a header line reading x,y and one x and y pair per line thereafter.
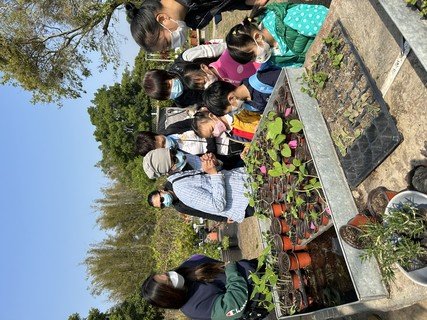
x,y
201,12
204,298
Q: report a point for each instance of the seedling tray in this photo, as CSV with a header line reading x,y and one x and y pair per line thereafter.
x,y
363,131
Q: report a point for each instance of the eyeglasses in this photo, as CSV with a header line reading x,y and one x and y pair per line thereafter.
x,y
162,205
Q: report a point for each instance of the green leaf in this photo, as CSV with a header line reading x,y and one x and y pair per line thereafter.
x,y
286,150
275,128
296,126
273,154
274,173
279,139
296,162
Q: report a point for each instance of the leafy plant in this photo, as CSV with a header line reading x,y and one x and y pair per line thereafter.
x,y
394,240
225,242
333,45
315,81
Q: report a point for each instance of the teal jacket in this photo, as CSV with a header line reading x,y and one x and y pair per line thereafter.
x,y
294,27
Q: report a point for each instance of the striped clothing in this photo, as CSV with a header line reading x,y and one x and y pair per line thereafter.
x,y
221,194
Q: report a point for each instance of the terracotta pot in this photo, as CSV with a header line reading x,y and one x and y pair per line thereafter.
x,y
279,226
325,219
359,220
299,260
283,262
276,209
288,245
352,236
212,236
378,199
296,280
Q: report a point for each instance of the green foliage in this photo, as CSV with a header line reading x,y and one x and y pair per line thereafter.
x,y
315,82
394,240
133,308
118,113
44,45
334,45
225,242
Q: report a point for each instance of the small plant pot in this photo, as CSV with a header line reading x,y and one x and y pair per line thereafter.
x,y
212,236
283,262
325,219
352,236
279,226
297,281
276,209
288,245
378,200
359,220
299,260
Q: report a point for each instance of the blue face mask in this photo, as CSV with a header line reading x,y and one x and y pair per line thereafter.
x,y
170,143
182,161
167,199
177,88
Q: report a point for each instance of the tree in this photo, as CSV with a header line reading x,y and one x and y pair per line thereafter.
x,y
44,44
133,308
120,263
118,112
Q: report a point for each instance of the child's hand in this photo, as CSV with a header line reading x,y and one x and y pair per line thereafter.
x,y
209,167
244,153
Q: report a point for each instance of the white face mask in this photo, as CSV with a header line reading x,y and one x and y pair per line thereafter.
x,y
237,107
178,36
211,79
176,279
263,52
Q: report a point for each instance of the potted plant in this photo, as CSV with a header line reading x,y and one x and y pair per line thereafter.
x,y
400,237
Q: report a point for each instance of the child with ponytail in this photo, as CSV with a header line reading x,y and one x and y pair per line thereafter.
x,y
281,34
203,288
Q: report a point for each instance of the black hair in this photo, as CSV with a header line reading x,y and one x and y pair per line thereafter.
x,y
199,118
155,84
164,295
144,27
215,97
151,195
240,41
190,73
194,77
145,142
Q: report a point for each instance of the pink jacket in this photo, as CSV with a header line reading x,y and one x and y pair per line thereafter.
x,y
232,71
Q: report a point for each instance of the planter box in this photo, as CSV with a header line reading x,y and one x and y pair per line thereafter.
x,y
365,276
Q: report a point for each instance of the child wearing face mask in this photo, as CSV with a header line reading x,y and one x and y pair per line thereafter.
x,y
239,127
203,288
170,85
225,68
252,95
185,81
159,25
281,34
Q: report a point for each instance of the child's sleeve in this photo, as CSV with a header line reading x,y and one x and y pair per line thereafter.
x,y
232,303
204,51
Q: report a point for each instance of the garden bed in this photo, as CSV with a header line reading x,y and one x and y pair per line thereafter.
x,y
299,184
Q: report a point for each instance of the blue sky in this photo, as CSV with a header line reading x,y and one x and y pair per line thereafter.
x,y
48,184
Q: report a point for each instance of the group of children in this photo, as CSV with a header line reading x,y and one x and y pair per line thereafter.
x,y
229,83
